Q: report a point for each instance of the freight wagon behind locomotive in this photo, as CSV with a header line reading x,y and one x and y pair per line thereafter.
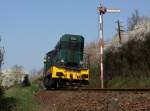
x,y
66,64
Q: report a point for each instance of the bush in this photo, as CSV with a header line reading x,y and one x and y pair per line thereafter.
x,y
26,81
94,76
131,60
1,93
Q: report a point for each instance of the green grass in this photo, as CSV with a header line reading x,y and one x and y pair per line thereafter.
x,y
24,97
129,82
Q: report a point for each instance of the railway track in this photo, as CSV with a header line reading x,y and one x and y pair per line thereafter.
x,y
103,90
99,89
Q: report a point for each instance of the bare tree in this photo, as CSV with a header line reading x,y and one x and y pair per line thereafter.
x,y
17,68
1,56
17,71
133,20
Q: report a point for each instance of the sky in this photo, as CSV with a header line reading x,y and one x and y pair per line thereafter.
x,y
30,28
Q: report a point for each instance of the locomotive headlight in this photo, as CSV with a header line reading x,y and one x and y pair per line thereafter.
x,y
44,60
62,61
81,62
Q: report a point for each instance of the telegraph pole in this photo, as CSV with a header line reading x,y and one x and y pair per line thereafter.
x,y
120,30
102,10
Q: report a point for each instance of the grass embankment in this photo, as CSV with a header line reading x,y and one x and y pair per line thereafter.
x,y
24,97
129,82
21,98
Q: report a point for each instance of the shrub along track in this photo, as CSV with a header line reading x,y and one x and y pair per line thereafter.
x,y
94,100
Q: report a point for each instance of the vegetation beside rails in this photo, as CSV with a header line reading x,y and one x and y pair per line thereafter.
x,y
128,65
124,66
22,98
129,82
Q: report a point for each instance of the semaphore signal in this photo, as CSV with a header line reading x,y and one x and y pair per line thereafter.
x,y
103,10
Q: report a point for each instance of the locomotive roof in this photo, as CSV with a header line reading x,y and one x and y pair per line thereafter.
x,y
67,38
70,37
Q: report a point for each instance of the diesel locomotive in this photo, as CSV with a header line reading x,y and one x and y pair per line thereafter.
x,y
66,65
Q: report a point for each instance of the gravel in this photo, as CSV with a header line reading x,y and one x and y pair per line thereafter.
x,y
92,101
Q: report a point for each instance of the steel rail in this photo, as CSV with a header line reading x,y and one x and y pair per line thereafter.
x,y
117,89
103,90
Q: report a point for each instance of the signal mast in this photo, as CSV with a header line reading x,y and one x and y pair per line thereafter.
x,y
103,10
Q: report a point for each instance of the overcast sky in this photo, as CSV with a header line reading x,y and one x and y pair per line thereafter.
x,y
30,28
